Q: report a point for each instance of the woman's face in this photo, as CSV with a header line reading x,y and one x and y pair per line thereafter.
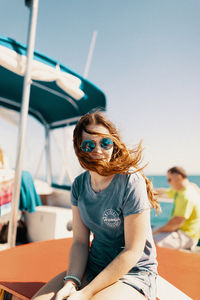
x,y
98,152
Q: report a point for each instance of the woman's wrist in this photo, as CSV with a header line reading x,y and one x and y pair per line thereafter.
x,y
72,284
73,278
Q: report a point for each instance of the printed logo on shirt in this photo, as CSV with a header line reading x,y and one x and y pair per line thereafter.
x,y
111,218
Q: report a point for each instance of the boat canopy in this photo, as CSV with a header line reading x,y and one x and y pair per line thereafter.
x,y
58,95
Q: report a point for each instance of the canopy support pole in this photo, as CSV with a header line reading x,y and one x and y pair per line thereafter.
x,y
48,156
23,121
91,50
39,162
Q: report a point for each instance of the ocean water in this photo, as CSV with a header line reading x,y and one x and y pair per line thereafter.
x,y
159,182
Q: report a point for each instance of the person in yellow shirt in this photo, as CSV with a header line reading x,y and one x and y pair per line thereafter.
x,y
182,231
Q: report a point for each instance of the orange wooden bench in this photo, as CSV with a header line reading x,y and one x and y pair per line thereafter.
x,y
182,269
25,269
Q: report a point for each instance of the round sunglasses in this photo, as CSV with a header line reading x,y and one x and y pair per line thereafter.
x,y
90,145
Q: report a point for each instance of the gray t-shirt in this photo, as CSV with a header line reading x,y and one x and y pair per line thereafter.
x,y
103,213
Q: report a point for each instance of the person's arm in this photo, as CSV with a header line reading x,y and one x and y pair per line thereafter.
x,y
78,253
162,193
135,230
80,247
172,225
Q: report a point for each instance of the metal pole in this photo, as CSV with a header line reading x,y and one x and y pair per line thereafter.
x,y
39,163
48,157
23,122
89,58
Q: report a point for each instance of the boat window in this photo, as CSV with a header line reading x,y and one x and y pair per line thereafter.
x,y
65,166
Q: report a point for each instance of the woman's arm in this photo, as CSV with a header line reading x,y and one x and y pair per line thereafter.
x,y
135,228
78,254
80,247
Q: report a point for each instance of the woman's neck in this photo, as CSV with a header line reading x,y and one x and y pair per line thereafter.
x,y
99,182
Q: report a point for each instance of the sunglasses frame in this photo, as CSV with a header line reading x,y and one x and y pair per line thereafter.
x,y
94,144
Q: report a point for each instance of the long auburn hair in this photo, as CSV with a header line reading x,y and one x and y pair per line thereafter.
x,y
123,160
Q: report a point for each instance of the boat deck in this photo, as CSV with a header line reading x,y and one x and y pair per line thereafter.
x,y
25,269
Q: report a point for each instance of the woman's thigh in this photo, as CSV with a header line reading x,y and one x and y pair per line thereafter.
x,y
119,291
49,290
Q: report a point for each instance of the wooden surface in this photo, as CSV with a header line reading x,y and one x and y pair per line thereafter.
x,y
182,269
24,269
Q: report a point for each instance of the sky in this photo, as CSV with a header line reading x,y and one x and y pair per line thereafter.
x,y
146,60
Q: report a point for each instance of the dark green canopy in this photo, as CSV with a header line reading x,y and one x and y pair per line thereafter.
x,y
49,103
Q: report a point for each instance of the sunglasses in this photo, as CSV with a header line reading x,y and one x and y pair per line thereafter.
x,y
90,145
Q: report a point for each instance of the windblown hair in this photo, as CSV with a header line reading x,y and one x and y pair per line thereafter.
x,y
123,160
178,170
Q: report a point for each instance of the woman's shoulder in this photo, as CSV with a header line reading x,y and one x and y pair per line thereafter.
x,y
80,178
132,180
134,177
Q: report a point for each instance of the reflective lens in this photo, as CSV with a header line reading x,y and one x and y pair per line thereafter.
x,y
106,143
89,145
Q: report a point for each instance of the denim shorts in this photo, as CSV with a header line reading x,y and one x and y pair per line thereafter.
x,y
143,281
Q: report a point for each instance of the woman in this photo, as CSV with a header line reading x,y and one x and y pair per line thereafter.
x,y
111,200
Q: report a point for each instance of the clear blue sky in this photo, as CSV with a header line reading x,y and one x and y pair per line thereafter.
x,y
146,60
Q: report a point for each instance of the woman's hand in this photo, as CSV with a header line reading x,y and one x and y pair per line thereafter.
x,y
80,295
68,290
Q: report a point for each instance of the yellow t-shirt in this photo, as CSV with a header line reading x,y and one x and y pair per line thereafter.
x,y
187,205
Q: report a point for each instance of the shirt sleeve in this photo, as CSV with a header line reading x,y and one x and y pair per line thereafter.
x,y
136,198
75,193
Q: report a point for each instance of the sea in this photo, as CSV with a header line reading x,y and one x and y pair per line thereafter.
x,y
160,181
